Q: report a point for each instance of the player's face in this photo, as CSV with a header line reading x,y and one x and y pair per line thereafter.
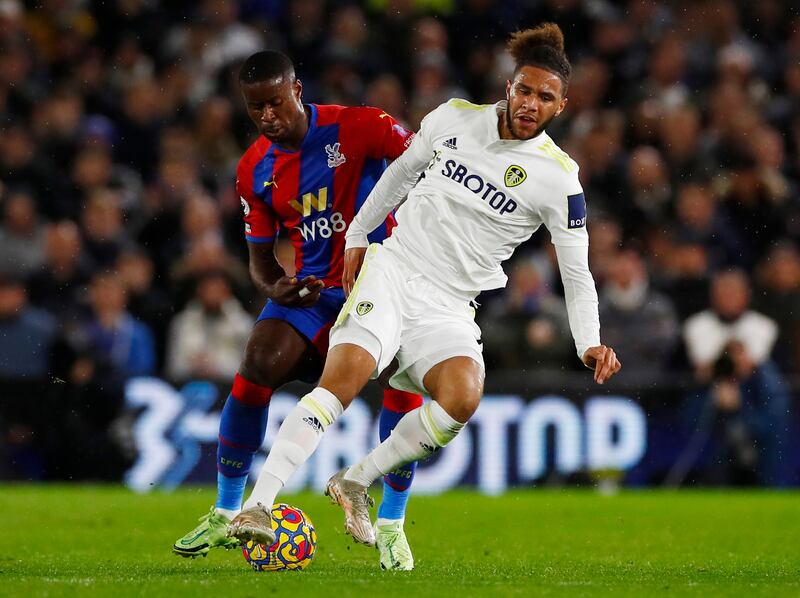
x,y
276,108
535,97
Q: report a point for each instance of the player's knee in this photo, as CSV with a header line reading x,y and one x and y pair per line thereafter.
x,y
459,390
347,370
256,364
461,407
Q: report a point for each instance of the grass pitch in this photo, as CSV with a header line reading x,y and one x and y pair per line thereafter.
x,y
107,541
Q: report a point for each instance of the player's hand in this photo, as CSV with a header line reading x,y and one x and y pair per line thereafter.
x,y
291,292
353,258
603,361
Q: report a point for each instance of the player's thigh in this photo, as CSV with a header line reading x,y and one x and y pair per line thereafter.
x,y
457,385
348,367
442,335
370,319
276,353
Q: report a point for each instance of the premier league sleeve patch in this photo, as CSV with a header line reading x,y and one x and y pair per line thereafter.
x,y
576,211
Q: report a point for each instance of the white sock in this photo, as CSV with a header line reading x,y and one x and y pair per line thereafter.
x,y
416,435
297,439
383,521
229,513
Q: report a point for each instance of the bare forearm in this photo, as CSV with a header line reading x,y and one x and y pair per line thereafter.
x,y
265,276
265,270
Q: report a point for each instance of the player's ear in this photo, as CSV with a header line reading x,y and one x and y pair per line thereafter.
x,y
561,105
298,89
508,89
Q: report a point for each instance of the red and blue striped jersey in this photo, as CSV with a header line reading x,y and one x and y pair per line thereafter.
x,y
312,194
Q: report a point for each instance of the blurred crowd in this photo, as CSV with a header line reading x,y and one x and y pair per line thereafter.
x,y
122,248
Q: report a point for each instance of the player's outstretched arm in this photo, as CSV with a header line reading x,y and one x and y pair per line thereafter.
x,y
271,280
582,309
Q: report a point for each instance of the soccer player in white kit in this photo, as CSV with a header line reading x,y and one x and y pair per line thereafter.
x,y
479,181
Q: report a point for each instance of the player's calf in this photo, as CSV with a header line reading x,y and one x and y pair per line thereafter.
x,y
397,483
241,433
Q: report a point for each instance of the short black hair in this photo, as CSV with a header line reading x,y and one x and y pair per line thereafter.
x,y
266,65
542,47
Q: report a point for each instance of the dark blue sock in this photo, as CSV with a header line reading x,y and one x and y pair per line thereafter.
x,y
241,433
396,484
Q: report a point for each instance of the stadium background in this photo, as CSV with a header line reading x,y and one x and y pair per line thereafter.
x,y
123,262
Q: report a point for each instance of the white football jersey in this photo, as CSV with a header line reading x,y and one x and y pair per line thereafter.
x,y
478,198
481,196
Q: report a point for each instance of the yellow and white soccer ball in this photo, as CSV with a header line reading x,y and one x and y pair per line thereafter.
x,y
295,544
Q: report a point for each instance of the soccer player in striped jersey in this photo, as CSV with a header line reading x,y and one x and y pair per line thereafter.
x,y
306,176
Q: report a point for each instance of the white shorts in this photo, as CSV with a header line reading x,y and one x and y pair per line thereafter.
x,y
396,312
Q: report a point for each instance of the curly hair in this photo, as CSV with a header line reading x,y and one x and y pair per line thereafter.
x,y
542,47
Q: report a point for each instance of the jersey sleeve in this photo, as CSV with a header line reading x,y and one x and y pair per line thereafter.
x,y
260,222
393,186
386,138
564,214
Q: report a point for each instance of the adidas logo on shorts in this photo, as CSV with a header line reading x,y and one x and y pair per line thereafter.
x,y
451,143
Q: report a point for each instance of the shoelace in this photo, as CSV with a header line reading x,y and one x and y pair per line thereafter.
x,y
206,517
364,500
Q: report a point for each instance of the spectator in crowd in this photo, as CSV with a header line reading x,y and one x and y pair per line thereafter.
x,y
57,285
27,333
680,268
27,338
432,72
104,234
527,327
648,182
778,297
637,319
756,208
606,234
21,236
147,301
56,122
113,333
744,412
212,39
93,169
140,124
680,134
596,143
207,338
700,220
23,166
729,318
177,180
218,152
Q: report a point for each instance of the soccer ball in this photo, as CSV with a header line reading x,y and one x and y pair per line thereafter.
x,y
294,547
